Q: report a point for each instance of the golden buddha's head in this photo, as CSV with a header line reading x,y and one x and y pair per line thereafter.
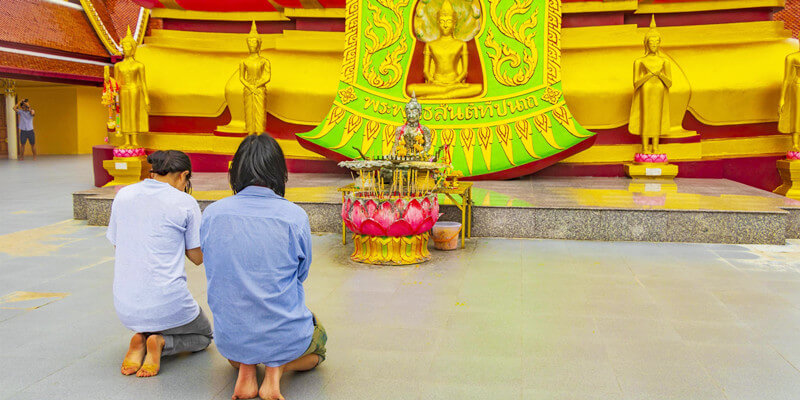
x,y
652,40
413,110
253,39
446,18
128,44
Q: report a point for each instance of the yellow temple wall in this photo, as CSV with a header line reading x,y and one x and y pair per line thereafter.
x,y
91,123
69,119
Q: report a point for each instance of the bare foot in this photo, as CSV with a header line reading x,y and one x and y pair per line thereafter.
x,y
234,364
152,362
246,383
133,359
271,387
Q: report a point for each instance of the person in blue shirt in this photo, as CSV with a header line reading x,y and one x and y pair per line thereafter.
x,y
153,224
257,251
26,114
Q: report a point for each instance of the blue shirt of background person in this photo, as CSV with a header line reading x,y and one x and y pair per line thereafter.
x,y
25,119
257,252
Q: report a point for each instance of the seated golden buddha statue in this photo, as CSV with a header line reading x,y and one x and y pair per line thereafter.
x,y
412,139
445,63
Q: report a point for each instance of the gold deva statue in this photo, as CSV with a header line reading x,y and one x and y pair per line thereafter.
x,y
652,78
254,73
133,98
789,121
445,63
412,139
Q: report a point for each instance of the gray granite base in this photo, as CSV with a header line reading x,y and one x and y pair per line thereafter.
x,y
732,227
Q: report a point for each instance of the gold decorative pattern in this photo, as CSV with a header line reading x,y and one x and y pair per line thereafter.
x,y
388,139
523,129
502,53
467,136
448,139
386,250
351,127
545,127
334,117
504,136
371,132
350,42
389,70
551,95
564,117
347,95
553,43
485,142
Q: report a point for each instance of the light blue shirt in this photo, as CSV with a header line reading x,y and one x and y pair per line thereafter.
x,y
152,225
257,251
25,120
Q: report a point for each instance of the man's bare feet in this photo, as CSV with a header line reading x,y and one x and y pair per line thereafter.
x,y
133,359
152,362
246,384
271,387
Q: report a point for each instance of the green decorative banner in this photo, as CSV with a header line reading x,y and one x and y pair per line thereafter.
x,y
486,72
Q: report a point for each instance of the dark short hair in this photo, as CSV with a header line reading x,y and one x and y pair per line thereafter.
x,y
163,162
259,161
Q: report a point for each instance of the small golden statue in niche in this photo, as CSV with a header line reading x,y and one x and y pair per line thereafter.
x,y
412,139
652,78
446,58
789,121
254,74
134,102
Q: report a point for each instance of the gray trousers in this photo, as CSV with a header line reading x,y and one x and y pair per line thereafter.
x,y
194,336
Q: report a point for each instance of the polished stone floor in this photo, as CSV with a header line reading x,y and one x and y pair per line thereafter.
x,y
503,319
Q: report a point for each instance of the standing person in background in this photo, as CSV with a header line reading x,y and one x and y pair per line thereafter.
x,y
26,114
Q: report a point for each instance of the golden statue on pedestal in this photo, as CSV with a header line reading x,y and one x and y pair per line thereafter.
x,y
255,73
652,78
789,121
412,139
133,98
445,63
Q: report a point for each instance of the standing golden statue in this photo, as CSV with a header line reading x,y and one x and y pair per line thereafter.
x,y
789,121
133,98
255,73
445,63
652,78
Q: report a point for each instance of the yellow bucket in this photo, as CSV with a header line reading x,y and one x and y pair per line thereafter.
x,y
445,235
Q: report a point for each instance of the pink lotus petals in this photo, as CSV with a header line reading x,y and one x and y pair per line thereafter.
x,y
122,153
372,208
400,217
400,228
650,158
793,155
386,216
414,214
358,215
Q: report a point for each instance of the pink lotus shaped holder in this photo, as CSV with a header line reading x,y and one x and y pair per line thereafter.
x,y
793,155
121,153
366,215
650,158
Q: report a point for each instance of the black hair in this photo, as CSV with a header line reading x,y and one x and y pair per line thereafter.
x,y
163,162
259,161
